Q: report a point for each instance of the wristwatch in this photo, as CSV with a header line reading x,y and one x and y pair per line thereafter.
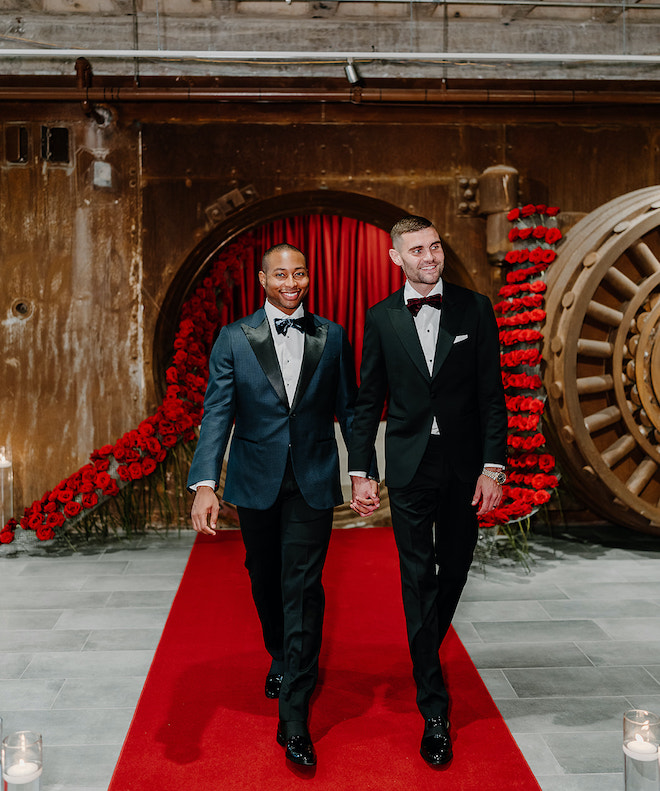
x,y
497,475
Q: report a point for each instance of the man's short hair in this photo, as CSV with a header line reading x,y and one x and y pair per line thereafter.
x,y
279,248
409,224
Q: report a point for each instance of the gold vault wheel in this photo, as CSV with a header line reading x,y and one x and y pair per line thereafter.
x,y
602,359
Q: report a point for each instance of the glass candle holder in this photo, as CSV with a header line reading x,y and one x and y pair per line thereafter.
x,y
6,487
22,761
641,737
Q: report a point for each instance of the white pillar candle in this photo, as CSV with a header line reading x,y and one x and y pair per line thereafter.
x,y
21,773
641,750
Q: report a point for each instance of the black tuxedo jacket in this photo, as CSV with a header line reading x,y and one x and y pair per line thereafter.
x,y
246,387
464,392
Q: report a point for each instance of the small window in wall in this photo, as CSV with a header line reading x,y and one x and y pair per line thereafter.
x,y
16,144
55,143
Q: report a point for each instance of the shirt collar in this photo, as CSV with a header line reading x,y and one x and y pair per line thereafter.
x,y
275,313
410,293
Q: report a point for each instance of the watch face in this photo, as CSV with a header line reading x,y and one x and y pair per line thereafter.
x,y
501,478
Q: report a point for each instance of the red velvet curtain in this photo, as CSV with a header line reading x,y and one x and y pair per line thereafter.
x,y
349,266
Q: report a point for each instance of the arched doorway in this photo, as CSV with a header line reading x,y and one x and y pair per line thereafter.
x,y
365,209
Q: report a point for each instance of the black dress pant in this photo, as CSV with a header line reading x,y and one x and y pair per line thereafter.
x,y
285,549
435,528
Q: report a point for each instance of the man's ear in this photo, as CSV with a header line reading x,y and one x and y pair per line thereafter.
x,y
396,258
262,278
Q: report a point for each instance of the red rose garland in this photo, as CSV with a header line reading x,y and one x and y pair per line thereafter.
x,y
138,453
530,477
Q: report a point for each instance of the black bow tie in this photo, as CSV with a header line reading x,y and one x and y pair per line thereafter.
x,y
415,305
282,325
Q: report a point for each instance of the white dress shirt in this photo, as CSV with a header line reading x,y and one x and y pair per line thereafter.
x,y
289,348
427,324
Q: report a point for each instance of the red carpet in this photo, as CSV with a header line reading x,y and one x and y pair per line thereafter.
x,y
203,721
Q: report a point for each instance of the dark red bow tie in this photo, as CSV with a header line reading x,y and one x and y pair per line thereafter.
x,y
415,305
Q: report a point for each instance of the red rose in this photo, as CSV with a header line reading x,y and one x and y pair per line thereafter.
x,y
112,489
55,520
102,480
541,497
146,429
34,521
539,232
153,445
513,215
49,507
89,500
45,533
166,427
124,472
169,440
528,209
72,508
135,471
171,375
546,462
552,211
514,233
6,537
102,465
148,466
553,235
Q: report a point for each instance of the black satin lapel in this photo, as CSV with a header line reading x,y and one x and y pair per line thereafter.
x,y
315,338
450,322
404,326
442,349
263,347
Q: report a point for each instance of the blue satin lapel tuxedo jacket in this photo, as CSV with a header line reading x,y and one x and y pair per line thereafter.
x,y
246,388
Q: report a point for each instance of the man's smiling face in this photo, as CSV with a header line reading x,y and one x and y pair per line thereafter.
x,y
285,279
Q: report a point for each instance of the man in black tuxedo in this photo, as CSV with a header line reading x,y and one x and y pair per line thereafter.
x,y
432,348
281,375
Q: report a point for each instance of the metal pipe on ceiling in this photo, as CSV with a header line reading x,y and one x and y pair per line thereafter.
x,y
326,57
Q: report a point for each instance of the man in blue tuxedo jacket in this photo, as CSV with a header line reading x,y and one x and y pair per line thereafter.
x,y
279,376
432,349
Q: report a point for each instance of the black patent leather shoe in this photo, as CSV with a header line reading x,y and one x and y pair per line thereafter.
x,y
436,742
298,747
273,685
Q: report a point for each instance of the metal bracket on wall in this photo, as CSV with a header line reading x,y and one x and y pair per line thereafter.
x,y
230,202
467,198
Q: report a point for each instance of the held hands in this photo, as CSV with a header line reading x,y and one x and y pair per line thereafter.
x,y
488,492
365,499
205,509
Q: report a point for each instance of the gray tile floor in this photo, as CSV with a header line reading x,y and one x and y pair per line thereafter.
x,y
564,649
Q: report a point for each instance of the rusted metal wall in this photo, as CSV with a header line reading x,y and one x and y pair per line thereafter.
x,y
95,264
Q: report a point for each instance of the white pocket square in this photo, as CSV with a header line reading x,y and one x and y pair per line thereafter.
x,y
460,338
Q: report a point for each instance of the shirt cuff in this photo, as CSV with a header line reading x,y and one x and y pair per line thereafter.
x,y
196,486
